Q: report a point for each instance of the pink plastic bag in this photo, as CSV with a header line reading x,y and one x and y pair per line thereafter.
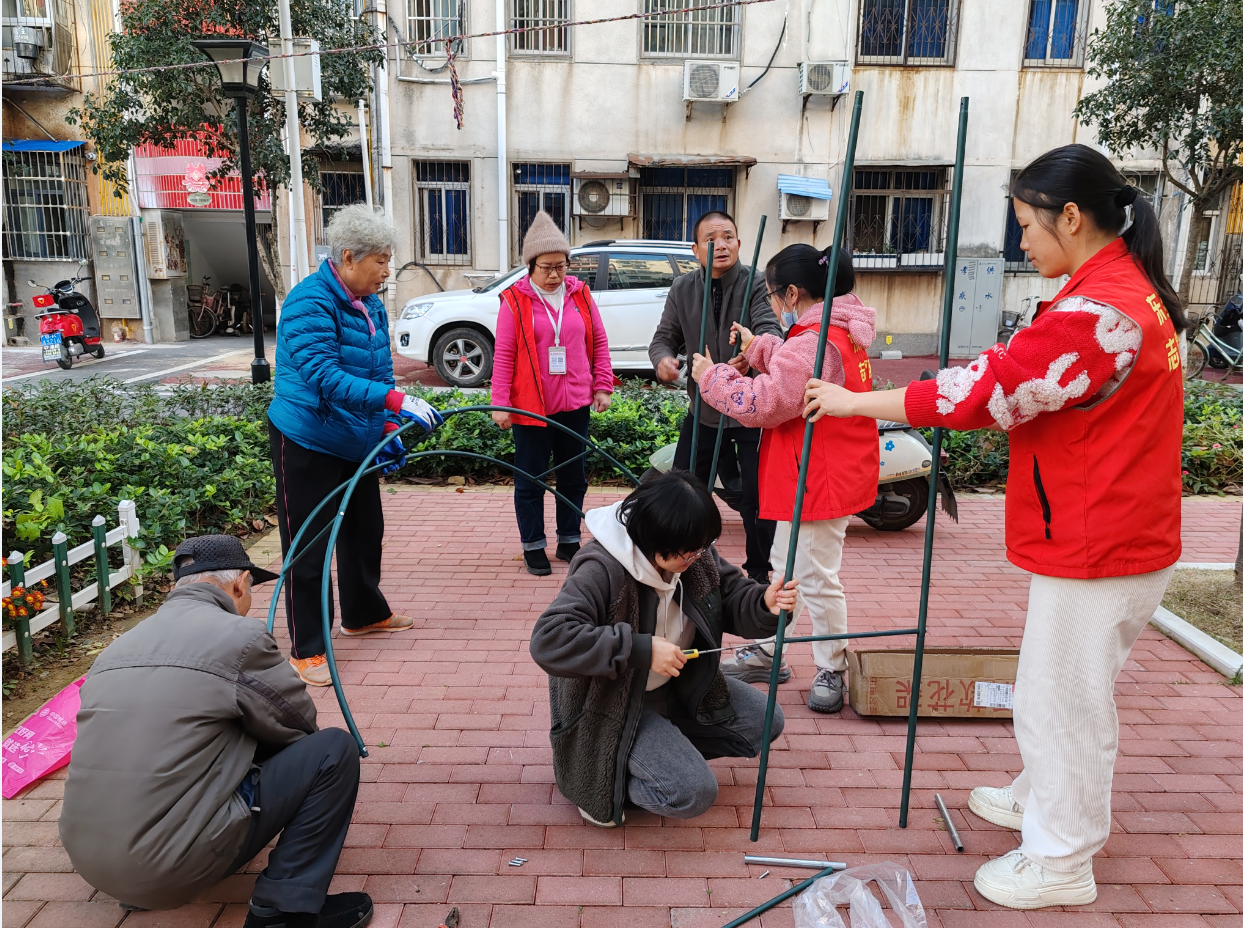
x,y
43,742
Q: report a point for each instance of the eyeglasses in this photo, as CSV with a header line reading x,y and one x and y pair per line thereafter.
x,y
695,555
553,268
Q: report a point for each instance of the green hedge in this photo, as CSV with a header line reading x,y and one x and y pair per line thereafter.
x,y
197,460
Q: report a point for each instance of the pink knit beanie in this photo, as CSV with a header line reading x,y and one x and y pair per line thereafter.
x,y
543,238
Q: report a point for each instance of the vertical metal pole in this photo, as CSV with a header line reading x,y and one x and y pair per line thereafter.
x,y
843,215
699,347
742,320
60,554
260,371
366,152
947,307
102,573
17,577
297,208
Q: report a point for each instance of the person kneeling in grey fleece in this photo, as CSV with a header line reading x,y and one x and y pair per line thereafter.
x,y
632,717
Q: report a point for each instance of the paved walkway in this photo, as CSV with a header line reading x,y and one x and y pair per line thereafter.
x,y
459,780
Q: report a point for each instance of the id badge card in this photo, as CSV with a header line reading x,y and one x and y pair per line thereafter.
x,y
556,360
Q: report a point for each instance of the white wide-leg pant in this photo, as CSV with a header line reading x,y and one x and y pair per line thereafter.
x,y
816,567
1075,643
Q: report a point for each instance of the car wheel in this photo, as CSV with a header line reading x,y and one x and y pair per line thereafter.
x,y
463,357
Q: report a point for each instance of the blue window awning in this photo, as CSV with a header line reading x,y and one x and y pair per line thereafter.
x,y
40,145
804,186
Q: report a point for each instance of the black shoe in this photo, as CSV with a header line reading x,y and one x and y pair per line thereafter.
x,y
828,691
761,578
567,550
537,562
342,910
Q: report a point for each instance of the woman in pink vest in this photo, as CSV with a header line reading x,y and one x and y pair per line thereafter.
x,y
1092,398
845,455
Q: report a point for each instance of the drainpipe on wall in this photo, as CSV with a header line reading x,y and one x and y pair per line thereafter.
x,y
386,147
138,244
297,209
365,151
502,148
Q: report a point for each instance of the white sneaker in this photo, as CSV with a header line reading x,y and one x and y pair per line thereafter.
x,y
1017,882
591,821
997,806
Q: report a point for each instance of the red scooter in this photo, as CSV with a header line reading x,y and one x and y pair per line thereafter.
x,y
68,323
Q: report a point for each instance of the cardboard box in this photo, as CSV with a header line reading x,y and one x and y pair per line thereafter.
x,y
975,683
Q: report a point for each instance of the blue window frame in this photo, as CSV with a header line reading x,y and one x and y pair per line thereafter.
x,y
536,187
897,218
673,199
907,32
1055,33
443,193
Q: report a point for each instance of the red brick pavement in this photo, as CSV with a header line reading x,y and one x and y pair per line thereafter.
x,y
464,781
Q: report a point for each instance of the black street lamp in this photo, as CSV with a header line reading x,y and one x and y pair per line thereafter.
x,y
240,62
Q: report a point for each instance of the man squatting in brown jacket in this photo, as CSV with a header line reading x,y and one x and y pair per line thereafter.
x,y
196,746
633,719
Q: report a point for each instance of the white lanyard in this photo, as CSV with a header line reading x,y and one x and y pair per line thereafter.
x,y
556,324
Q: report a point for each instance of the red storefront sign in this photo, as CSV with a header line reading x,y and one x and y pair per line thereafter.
x,y
167,176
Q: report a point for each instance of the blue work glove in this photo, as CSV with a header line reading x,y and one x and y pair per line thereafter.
x,y
393,455
420,411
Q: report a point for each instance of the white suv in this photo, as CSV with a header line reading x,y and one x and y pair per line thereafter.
x,y
455,331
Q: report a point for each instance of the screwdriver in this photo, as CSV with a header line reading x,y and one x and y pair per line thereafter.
x,y
695,652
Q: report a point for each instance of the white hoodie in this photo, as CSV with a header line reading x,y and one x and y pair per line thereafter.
x,y
671,623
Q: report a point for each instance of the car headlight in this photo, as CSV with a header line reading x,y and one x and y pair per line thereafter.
x,y
416,310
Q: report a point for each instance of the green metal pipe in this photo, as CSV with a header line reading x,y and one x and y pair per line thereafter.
x,y
742,320
947,308
102,573
699,347
21,627
843,212
777,900
64,593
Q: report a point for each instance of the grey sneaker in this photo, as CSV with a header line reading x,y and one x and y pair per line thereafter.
x,y
754,665
828,691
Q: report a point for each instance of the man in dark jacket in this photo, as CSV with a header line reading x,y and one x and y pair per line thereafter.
x,y
633,717
678,332
196,746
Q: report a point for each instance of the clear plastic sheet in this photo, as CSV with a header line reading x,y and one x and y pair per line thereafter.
x,y
817,906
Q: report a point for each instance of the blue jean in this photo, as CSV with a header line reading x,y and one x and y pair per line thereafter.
x,y
669,774
533,445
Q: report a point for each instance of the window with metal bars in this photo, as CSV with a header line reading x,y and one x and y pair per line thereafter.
x,y
673,198
907,32
704,29
546,21
430,22
339,190
536,187
898,217
442,191
1056,34
45,205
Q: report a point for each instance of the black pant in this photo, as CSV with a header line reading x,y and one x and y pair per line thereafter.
x,y
306,794
533,444
303,479
738,468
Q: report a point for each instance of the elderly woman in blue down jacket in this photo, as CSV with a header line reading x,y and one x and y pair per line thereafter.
x,y
335,400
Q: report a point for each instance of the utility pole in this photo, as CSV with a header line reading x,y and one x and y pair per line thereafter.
x,y
502,147
297,208
386,145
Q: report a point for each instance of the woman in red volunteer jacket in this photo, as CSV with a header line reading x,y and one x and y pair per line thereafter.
x,y
1092,398
552,359
845,455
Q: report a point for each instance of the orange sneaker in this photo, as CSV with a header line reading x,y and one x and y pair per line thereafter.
x,y
394,623
312,670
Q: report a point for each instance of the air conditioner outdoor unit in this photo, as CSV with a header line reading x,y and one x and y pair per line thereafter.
x,y
165,242
602,196
796,207
710,82
826,78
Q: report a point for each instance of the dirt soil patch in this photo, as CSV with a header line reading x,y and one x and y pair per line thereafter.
x,y
1211,601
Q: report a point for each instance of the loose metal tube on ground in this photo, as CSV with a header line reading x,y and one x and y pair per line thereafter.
x,y
776,901
801,487
703,335
947,308
742,320
949,822
791,862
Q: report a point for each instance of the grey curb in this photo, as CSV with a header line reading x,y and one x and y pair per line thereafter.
x,y
1203,646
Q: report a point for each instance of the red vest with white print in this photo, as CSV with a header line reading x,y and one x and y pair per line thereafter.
x,y
1096,490
845,453
527,391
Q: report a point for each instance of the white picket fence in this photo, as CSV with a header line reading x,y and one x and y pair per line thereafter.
x,y
126,530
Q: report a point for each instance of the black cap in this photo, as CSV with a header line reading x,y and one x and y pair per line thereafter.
x,y
215,552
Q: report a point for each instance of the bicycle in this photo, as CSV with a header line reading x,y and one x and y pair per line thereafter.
x,y
203,319
1201,341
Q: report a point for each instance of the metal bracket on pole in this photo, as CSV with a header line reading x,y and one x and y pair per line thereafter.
x,y
743,319
801,488
947,308
700,346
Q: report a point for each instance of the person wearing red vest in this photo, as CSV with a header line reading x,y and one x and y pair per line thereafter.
x,y
551,359
1092,398
845,457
